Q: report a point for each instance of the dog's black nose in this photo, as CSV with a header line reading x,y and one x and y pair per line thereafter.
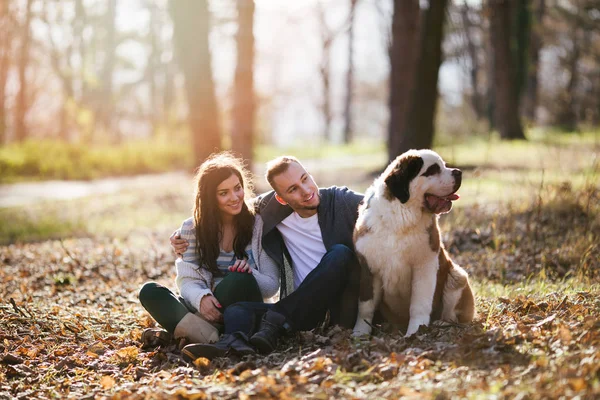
x,y
457,173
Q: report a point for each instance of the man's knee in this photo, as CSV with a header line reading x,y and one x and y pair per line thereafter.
x,y
344,257
236,311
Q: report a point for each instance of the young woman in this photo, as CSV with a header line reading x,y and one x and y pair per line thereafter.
x,y
225,266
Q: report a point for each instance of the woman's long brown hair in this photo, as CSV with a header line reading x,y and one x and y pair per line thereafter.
x,y
207,221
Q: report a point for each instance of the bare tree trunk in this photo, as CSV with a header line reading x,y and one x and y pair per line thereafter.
x,y
244,102
403,55
567,117
324,69
106,106
349,76
21,102
191,31
419,129
490,106
507,99
151,68
78,26
535,47
5,51
521,41
476,98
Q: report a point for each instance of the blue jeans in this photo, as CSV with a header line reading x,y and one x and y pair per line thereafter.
x,y
332,285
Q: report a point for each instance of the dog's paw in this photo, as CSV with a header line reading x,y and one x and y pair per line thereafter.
x,y
414,324
361,329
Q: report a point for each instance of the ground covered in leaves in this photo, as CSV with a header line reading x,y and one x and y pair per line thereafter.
x,y
70,321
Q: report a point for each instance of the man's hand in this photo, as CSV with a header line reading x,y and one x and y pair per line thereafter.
x,y
241,266
209,308
178,244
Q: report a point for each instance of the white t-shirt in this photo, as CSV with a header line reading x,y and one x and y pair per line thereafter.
x,y
303,239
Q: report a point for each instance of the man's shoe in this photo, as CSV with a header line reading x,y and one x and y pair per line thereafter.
x,y
271,327
230,344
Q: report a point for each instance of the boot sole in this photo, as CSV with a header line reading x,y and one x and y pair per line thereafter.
x,y
262,345
202,350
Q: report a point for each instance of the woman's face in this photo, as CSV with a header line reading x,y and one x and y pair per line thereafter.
x,y
230,196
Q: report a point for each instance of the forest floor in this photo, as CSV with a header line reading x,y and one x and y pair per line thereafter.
x,y
525,229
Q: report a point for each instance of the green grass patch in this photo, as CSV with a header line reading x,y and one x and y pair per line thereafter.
x,y
320,150
44,222
50,159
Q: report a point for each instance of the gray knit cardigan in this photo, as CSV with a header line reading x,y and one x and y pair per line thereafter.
x,y
194,283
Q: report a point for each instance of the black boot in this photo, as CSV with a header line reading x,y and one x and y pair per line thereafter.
x,y
235,343
272,326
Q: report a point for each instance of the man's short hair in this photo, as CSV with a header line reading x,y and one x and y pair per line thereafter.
x,y
278,166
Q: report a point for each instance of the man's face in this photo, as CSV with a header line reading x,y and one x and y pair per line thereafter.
x,y
298,189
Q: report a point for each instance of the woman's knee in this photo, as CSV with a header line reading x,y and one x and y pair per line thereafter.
x,y
240,278
148,291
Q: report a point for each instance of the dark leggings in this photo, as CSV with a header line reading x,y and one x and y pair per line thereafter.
x,y
168,309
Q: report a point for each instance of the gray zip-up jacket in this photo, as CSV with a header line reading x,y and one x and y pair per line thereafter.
x,y
337,214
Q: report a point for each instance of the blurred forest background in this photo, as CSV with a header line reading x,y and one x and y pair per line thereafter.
x,y
93,88
111,104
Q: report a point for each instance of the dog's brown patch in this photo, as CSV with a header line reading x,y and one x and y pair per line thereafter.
x,y
442,277
465,309
434,235
433,170
398,180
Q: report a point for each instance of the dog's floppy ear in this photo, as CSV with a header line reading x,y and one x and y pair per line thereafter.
x,y
406,169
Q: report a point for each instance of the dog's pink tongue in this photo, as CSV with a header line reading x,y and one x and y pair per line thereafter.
x,y
453,197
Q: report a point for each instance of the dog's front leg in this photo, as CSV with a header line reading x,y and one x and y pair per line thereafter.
x,y
369,298
421,298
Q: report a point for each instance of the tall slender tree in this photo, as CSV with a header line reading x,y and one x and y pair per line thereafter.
x,y
327,37
350,75
473,59
22,100
153,65
244,102
5,51
522,24
191,28
506,95
535,47
403,53
418,130
105,104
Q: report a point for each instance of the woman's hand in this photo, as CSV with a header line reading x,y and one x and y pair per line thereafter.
x,y
178,244
241,266
209,308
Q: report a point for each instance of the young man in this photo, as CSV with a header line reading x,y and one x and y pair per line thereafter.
x,y
312,228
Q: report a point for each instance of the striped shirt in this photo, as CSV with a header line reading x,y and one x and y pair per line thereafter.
x,y
227,259
224,261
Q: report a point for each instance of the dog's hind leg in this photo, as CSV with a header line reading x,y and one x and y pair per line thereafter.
x,y
369,298
459,303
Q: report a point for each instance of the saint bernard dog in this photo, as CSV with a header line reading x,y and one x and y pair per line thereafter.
x,y
406,273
